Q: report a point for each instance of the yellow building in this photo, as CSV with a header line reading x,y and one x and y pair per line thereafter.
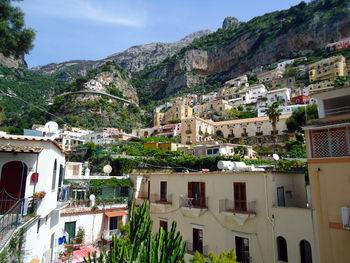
x,y
328,68
263,216
163,146
328,150
176,112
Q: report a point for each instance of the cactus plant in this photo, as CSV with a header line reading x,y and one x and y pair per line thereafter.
x,y
140,245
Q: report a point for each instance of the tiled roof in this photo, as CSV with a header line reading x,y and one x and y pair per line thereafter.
x,y
20,149
30,138
83,252
265,118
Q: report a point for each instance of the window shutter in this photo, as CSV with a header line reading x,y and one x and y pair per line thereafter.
x,y
202,198
190,193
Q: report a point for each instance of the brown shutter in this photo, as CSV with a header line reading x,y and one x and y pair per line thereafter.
x,y
202,197
190,193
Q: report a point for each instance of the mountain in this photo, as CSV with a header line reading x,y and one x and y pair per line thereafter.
x,y
203,65
132,60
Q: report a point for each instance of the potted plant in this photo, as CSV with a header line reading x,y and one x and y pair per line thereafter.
x,y
39,195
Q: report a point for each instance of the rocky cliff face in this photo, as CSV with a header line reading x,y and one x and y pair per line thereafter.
x,y
245,52
132,60
11,62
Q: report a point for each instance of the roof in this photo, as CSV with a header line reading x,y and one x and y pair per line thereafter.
x,y
20,149
116,213
79,254
30,138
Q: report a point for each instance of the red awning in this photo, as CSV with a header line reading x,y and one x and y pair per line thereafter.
x,y
116,213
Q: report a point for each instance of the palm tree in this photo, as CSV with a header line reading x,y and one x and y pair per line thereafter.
x,y
274,115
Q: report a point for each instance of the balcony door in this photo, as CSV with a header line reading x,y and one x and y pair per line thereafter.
x,y
280,196
196,191
240,197
113,223
242,249
163,191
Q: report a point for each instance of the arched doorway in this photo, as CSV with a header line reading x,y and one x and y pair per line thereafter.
x,y
305,252
282,249
219,133
12,184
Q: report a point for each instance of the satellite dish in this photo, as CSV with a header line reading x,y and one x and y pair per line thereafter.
x,y
107,169
51,127
275,156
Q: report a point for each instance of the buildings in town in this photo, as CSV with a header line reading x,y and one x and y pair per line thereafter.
x,y
175,112
264,216
269,76
327,69
164,146
328,151
32,170
197,130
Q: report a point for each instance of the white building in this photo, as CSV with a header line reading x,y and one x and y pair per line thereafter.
x,y
30,165
284,109
281,95
100,138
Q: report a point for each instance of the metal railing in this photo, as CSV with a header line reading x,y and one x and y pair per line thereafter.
x,y
13,212
337,111
259,133
190,202
244,134
274,132
227,205
108,234
80,203
190,249
157,198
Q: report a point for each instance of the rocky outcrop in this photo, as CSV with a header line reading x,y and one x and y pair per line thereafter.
x,y
132,60
11,62
230,21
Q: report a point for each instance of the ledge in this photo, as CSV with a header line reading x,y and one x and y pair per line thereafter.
x,y
193,211
240,216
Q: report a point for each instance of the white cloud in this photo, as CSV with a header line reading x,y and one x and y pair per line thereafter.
x,y
98,11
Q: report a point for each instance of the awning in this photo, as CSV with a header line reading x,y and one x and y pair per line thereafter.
x,y
34,260
116,213
20,149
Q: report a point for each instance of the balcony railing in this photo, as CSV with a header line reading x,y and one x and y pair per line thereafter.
x,y
157,198
80,203
330,142
259,133
337,111
190,202
190,249
274,132
108,234
227,205
188,131
244,134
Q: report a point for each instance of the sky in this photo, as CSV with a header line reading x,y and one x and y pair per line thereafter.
x,y
93,29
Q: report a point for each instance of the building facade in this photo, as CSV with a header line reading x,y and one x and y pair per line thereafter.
x,y
263,216
328,151
328,68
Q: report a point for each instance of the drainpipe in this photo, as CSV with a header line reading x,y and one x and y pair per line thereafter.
x,y
36,172
271,221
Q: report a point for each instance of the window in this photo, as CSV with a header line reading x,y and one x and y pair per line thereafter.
x,y
163,224
282,249
196,190
242,249
163,191
38,226
113,223
280,196
76,169
124,191
54,176
177,109
240,198
197,240
177,115
305,252
69,227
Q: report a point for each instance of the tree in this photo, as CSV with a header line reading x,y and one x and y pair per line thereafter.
x,y
274,115
298,118
15,40
140,245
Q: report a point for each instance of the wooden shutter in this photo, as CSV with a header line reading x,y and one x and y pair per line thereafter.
x,y
202,195
240,198
190,192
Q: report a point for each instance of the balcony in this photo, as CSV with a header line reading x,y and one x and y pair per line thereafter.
x,y
231,136
160,204
140,197
329,143
202,250
188,131
108,234
193,207
274,132
242,214
244,134
259,133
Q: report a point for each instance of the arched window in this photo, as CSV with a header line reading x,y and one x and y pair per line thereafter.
x,y
282,249
54,176
305,252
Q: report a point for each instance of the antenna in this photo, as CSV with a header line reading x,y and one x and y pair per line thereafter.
x,y
51,127
275,156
